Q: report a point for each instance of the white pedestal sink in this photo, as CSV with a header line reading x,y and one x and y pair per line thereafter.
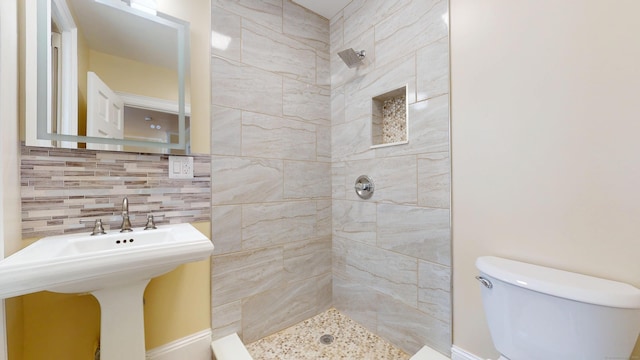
x,y
115,268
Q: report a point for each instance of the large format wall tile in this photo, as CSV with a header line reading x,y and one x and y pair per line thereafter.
x,y
226,32
307,258
245,180
267,13
226,319
418,24
226,131
226,230
277,223
419,232
306,26
303,179
434,180
239,275
245,87
276,137
433,69
434,290
410,328
267,312
355,221
384,271
277,53
306,102
389,175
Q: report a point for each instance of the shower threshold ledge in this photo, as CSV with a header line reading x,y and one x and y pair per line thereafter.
x,y
115,268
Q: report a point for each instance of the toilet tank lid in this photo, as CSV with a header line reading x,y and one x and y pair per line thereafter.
x,y
565,284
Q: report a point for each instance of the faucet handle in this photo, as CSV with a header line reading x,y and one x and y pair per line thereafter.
x,y
150,223
98,229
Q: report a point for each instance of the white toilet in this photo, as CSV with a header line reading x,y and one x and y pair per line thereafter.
x,y
536,313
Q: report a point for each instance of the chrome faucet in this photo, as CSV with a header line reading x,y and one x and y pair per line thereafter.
x,y
126,224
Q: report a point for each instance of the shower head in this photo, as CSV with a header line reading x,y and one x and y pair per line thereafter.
x,y
351,57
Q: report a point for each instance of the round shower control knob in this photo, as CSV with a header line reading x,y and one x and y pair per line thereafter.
x,y
364,187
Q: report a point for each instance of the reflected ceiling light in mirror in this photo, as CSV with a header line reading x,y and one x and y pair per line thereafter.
x,y
148,6
220,41
445,18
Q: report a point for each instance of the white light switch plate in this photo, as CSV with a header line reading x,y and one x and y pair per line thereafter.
x,y
180,167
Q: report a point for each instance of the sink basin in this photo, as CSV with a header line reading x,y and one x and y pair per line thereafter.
x,y
81,263
115,268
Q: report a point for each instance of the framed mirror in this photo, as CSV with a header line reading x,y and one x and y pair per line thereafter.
x,y
106,74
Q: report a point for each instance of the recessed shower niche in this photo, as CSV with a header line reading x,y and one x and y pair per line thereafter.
x,y
389,118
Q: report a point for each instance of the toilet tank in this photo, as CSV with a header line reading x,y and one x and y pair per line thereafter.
x,y
535,312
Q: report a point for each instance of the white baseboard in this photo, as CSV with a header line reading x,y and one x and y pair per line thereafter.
x,y
459,354
193,347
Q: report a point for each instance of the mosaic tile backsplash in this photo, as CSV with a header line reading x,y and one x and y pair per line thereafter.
x,y
60,187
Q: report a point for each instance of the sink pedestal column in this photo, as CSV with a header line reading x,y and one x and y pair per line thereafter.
x,y
122,321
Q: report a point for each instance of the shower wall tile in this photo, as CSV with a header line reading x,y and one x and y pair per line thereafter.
x,y
245,87
60,187
389,174
278,223
277,53
386,272
226,230
240,275
306,102
323,143
351,141
227,319
356,300
226,131
308,27
433,69
277,137
434,180
419,232
434,290
323,218
272,165
410,328
355,221
390,268
225,26
337,105
306,259
418,24
304,179
267,312
244,180
338,180
267,13
323,70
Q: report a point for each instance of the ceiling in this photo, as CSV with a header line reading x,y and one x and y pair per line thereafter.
x,y
326,8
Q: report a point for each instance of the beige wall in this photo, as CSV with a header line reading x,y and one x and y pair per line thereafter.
x,y
545,127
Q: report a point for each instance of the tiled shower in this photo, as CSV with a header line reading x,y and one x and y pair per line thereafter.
x,y
291,132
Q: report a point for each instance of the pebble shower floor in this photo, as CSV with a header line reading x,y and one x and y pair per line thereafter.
x,y
303,342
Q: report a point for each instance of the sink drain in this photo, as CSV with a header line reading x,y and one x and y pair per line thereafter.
x,y
326,339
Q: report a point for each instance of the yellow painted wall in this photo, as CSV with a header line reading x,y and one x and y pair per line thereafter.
x,y
177,303
545,158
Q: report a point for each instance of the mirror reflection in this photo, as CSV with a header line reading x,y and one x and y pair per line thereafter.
x,y
116,75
